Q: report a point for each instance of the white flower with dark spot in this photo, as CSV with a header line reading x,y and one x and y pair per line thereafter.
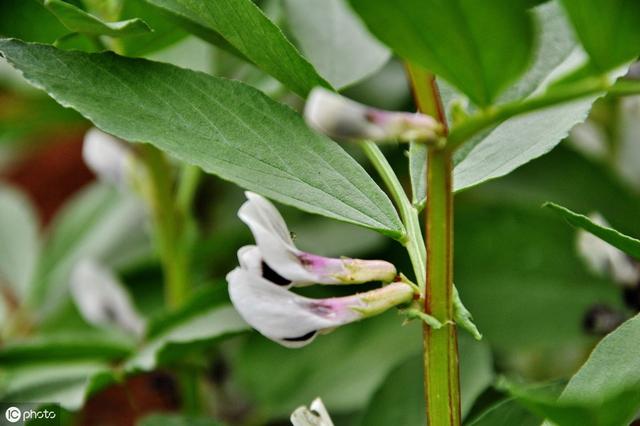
x,y
101,298
280,261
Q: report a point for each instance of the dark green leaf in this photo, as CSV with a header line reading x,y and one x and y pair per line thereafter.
x,y
243,25
77,20
192,333
627,244
477,47
400,399
334,40
223,126
608,29
29,20
515,142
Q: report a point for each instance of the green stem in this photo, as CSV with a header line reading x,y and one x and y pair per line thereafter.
x,y
167,226
495,115
441,346
189,180
412,237
441,370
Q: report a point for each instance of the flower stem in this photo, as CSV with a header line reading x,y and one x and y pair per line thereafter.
x,y
412,237
167,226
441,370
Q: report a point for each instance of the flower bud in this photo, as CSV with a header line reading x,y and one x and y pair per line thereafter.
x,y
342,118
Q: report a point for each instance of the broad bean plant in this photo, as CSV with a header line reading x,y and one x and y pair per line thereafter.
x,y
270,235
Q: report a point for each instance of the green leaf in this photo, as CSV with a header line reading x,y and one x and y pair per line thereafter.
x,y
611,410
527,277
66,383
627,244
477,47
343,368
222,126
19,241
99,222
29,20
506,413
77,20
400,399
608,29
62,348
334,40
515,142
191,334
248,30
176,420
612,373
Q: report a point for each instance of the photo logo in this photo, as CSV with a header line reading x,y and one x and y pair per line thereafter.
x,y
13,414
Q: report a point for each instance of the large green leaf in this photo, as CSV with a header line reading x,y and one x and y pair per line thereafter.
x,y
608,29
627,244
243,25
223,126
192,333
334,40
29,20
77,20
517,141
400,399
99,222
19,241
478,47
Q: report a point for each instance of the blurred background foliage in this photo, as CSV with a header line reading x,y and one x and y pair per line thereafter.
x,y
517,266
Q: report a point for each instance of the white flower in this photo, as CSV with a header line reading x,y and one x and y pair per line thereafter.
x,y
293,320
101,299
315,415
278,259
603,258
108,157
342,118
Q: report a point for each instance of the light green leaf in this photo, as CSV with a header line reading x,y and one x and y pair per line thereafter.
x,y
63,348
612,373
99,222
193,333
334,40
477,47
501,150
627,244
222,126
176,420
357,357
19,241
400,399
243,25
608,29
77,20
66,383
506,413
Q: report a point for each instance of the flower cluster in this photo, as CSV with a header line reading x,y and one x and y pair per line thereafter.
x,y
260,287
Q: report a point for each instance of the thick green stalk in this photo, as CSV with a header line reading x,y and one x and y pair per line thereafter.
x,y
167,225
412,237
441,370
